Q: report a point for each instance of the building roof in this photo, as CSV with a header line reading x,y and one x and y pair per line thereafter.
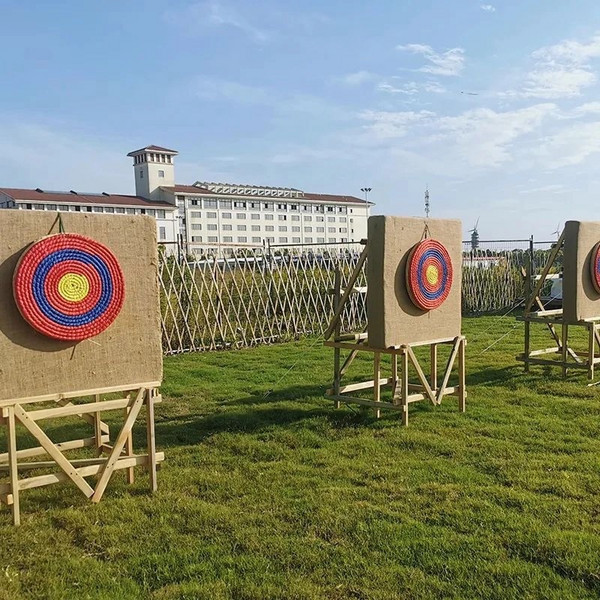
x,y
104,199
193,189
152,149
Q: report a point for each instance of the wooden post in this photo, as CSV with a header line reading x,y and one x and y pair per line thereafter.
x,y
394,378
337,351
404,383
129,450
565,345
97,429
591,349
12,464
433,355
462,383
151,442
376,377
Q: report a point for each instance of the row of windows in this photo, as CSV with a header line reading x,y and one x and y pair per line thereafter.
x,y
212,239
282,206
151,157
267,217
281,228
159,214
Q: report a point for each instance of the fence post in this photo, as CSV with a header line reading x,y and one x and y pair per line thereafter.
x,y
531,265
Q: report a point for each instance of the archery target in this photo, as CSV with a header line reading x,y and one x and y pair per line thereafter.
x,y
68,287
595,267
429,274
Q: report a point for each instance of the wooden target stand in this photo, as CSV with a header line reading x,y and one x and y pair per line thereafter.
x,y
30,412
535,312
429,387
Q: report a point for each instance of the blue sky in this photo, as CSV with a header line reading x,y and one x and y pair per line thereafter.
x,y
494,106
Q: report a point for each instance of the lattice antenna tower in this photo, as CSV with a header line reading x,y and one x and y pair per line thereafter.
x,y
427,202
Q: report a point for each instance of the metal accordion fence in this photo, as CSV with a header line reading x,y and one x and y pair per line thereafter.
x,y
280,293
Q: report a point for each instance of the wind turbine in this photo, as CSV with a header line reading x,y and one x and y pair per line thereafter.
x,y
475,235
557,231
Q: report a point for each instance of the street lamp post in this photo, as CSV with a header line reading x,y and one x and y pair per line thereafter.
x,y
366,190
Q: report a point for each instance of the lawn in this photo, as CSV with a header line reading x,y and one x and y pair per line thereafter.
x,y
267,492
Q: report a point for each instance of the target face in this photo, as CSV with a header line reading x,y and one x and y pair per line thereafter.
x,y
428,274
595,267
68,287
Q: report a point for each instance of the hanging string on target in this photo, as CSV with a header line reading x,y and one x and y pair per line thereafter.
x,y
69,287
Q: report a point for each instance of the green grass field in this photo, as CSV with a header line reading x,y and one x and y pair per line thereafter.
x,y
279,496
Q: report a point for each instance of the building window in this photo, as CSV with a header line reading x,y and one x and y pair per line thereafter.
x,y
98,209
342,209
227,227
320,219
161,214
210,203
343,230
242,239
141,174
319,209
331,219
296,240
211,227
255,227
63,207
306,208
293,207
120,211
308,229
283,240
195,202
226,215
256,240
196,226
320,229
109,209
331,230
331,209
239,205
283,217
307,218
308,240
333,240
196,214
225,204
162,233
241,216
38,207
227,239
282,228
268,217
131,211
320,240
213,238
255,205
255,216
50,206
161,173
241,228
196,238
150,212
295,217
269,228
211,215
342,219
268,205
282,206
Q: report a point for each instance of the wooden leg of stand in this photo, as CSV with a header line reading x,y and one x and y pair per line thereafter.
x,y
462,384
565,346
376,377
404,384
129,452
591,350
526,350
97,429
433,380
151,443
12,465
394,378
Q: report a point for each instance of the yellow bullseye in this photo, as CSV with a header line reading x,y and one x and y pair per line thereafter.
x,y
432,274
73,287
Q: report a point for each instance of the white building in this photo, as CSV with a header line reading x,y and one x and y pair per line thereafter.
x,y
212,218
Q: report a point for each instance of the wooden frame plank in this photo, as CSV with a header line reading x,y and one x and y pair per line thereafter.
x,y
39,451
13,468
113,457
52,450
449,366
150,439
421,375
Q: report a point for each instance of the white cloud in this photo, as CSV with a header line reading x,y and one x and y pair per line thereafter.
x,y
562,70
214,13
570,146
488,7
449,63
411,88
386,124
358,78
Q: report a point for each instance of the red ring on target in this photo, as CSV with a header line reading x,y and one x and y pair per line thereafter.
x,y
595,267
429,274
